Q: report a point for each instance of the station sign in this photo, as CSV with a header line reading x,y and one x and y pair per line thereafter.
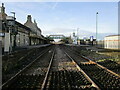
x,y
2,34
91,38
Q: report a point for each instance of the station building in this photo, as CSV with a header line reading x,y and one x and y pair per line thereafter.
x,y
35,35
14,34
112,42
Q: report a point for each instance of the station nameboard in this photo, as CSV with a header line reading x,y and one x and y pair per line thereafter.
x,y
2,34
91,38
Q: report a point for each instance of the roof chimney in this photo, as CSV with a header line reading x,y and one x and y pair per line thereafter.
x,y
35,22
2,8
29,18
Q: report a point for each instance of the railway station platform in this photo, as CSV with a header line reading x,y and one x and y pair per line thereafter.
x,y
17,49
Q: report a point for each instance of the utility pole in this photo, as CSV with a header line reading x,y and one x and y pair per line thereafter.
x,y
96,27
77,34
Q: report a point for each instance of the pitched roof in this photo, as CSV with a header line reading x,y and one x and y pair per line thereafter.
x,y
32,25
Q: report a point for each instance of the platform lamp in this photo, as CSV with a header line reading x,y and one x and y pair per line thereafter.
x,y
10,24
14,32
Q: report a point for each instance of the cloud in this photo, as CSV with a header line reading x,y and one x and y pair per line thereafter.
x,y
55,5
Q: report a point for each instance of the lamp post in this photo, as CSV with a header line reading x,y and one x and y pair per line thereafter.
x,y
14,45
13,14
96,26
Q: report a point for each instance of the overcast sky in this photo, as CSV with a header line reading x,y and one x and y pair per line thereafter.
x,y
66,17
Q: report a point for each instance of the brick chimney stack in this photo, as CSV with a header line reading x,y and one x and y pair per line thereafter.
x,y
29,18
2,8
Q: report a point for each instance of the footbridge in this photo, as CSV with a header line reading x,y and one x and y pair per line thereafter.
x,y
57,38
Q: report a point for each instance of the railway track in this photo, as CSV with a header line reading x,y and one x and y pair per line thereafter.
x,y
60,68
103,77
64,74
25,79
111,65
12,64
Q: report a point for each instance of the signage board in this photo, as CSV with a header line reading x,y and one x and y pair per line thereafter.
x,y
91,38
2,34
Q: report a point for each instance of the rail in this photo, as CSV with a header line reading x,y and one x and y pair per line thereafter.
x,y
89,79
48,71
15,76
